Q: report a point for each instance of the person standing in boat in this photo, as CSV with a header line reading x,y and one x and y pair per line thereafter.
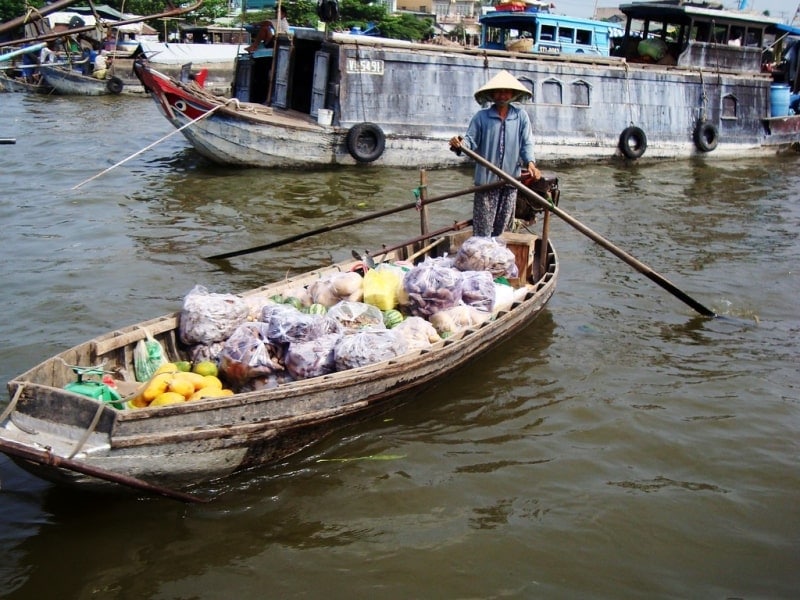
x,y
503,135
101,63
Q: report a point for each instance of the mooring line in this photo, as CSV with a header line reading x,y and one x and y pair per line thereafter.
x,y
146,148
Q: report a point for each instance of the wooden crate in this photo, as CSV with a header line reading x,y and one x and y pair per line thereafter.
x,y
523,247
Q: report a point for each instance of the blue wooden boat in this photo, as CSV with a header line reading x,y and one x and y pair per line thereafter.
x,y
681,80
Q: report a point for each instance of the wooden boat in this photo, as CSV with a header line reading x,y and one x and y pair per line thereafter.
x,y
72,438
11,83
67,81
317,98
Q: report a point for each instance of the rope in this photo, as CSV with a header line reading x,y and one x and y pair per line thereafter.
x,y
158,141
628,91
13,404
88,431
703,97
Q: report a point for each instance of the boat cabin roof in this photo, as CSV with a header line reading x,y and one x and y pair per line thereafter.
x,y
694,34
683,13
517,19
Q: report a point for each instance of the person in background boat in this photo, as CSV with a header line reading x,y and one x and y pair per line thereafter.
x,y
29,73
503,135
266,33
48,54
101,64
283,22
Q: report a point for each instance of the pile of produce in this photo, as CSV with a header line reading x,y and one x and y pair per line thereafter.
x,y
176,383
341,321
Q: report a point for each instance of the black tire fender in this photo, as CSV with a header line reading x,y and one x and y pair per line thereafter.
x,y
633,142
114,85
706,137
366,142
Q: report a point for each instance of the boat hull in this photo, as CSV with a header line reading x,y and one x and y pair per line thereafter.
x,y
68,82
11,84
418,96
187,444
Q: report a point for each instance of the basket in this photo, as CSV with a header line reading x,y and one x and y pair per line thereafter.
x,y
523,45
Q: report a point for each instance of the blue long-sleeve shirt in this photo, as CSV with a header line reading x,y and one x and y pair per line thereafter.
x,y
483,137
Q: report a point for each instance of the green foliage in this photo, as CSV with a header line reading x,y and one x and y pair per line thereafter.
x,y
210,10
11,9
359,12
406,27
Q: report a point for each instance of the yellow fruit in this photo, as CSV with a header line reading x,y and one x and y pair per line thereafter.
x,y
168,367
205,367
184,366
210,393
210,381
157,385
196,380
167,398
182,386
137,401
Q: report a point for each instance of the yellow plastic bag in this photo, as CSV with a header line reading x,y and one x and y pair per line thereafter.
x,y
380,287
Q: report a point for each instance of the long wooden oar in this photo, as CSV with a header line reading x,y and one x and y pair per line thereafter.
x,y
48,458
618,252
349,222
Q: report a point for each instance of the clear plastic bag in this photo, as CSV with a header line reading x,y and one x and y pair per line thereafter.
x,y
367,347
432,286
357,315
248,354
486,254
478,290
148,355
417,332
312,358
207,317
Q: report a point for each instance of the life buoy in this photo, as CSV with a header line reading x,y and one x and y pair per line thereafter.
x,y
706,137
114,85
365,142
633,142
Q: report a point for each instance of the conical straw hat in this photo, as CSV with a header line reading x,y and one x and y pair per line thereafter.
x,y
502,81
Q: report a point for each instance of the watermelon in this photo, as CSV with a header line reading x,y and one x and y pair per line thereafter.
x,y
317,309
296,302
392,318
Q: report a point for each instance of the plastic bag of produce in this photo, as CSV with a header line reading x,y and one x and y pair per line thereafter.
x,y
206,352
148,355
207,317
380,287
458,318
486,254
286,327
368,346
432,286
247,354
478,290
503,296
312,358
353,316
280,310
336,287
417,332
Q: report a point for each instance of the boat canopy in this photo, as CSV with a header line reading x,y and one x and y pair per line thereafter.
x,y
180,54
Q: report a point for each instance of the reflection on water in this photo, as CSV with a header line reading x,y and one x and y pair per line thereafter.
x,y
618,421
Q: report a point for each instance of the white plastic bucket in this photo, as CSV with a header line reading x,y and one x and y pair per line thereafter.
x,y
324,116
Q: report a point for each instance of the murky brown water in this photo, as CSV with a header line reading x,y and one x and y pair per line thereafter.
x,y
621,447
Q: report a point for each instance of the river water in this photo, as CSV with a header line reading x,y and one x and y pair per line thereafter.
x,y
621,447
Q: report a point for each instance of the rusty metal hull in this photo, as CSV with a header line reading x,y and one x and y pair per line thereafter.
x,y
198,441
